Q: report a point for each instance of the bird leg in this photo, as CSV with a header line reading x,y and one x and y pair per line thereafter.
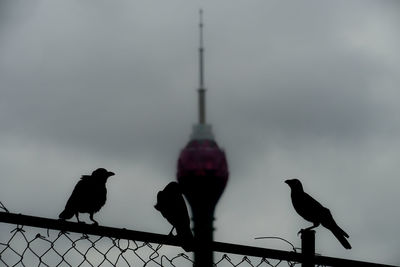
x,y
308,228
93,220
77,217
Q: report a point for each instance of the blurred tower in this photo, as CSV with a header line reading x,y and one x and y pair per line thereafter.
x,y
202,173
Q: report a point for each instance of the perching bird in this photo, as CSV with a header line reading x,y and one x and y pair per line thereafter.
x,y
312,211
89,195
172,206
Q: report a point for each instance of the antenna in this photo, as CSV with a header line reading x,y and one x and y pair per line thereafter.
x,y
201,51
201,130
201,90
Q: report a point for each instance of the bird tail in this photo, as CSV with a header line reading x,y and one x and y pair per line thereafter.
x,y
66,214
341,236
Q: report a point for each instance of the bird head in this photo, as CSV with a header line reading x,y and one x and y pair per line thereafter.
x,y
294,184
171,190
103,173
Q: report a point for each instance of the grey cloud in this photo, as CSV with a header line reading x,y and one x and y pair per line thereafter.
x,y
303,89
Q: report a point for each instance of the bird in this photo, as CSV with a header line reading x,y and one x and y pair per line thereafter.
x,y
88,196
172,206
312,211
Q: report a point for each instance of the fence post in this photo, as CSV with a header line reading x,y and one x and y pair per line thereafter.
x,y
308,248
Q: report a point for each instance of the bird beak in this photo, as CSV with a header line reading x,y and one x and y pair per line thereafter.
x,y
111,174
287,181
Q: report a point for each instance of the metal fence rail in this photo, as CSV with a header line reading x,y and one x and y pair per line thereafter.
x,y
63,243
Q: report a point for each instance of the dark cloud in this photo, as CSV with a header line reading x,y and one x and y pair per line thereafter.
x,y
305,89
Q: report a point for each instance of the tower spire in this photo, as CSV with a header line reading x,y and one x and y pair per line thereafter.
x,y
201,90
201,130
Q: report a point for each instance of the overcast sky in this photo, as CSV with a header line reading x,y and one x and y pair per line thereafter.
x,y
305,89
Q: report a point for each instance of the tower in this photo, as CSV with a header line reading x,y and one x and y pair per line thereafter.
x,y
202,172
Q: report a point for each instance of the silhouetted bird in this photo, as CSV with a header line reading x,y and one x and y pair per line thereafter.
x,y
89,195
172,206
312,211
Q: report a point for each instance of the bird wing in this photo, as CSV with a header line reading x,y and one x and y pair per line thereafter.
x,y
313,211
182,217
78,196
307,207
172,206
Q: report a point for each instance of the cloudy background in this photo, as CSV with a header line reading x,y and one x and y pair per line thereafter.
x,y
305,89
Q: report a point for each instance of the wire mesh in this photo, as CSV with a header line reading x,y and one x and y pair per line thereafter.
x,y
29,246
27,243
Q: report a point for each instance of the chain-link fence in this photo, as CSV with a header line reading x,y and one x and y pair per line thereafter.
x,y
29,246
33,241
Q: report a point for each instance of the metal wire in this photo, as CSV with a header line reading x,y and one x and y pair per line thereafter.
x,y
30,241
32,246
29,246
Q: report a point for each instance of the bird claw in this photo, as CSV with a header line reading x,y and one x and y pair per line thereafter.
x,y
300,232
95,224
